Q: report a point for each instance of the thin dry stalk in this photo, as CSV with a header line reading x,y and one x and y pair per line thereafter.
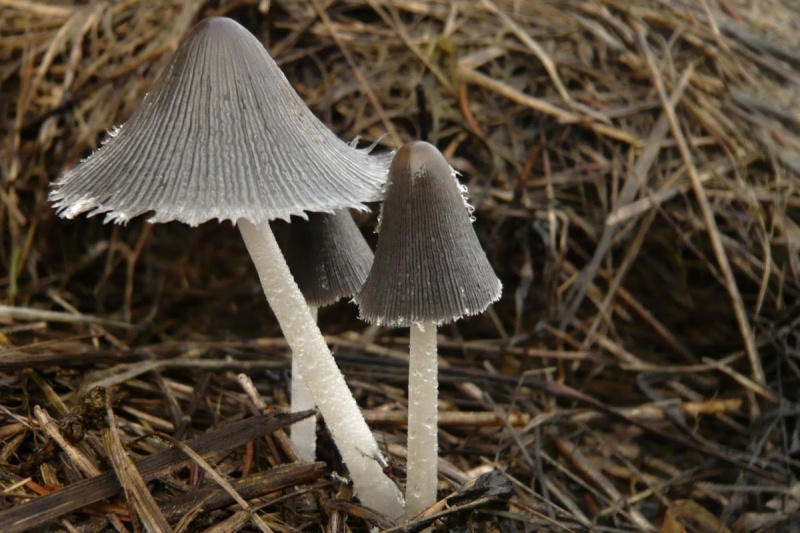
x,y
708,217
136,491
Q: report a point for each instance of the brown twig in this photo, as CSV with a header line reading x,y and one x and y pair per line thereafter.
x,y
41,510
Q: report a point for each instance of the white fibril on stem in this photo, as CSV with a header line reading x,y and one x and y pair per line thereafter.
x,y
423,419
354,440
304,433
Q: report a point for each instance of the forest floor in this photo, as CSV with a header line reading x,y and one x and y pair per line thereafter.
x,y
634,166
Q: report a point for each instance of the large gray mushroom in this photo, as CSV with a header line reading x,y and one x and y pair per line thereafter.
x,y
223,135
429,269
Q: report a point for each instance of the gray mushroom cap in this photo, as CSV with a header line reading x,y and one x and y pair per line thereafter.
x,y
429,265
221,135
327,255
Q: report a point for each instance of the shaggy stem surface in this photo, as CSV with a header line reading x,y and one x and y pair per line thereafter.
x,y
353,438
423,415
303,433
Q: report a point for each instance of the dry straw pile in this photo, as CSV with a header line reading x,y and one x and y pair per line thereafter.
x,y
635,171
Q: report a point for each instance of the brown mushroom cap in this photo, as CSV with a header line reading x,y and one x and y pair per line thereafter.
x,y
429,265
221,135
326,254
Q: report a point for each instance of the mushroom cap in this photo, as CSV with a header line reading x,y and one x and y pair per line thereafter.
x,y
327,255
429,265
221,135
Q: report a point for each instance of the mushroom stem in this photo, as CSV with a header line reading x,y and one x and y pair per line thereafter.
x,y
339,409
423,414
303,433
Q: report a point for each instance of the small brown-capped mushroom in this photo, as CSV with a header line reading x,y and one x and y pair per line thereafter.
x,y
327,255
429,269
222,135
330,260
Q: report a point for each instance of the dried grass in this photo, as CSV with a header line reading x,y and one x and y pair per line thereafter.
x,y
635,170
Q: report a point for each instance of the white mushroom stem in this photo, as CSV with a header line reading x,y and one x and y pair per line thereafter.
x,y
303,433
423,415
339,409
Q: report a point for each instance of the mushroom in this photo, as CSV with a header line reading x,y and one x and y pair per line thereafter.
x,y
329,259
429,269
223,135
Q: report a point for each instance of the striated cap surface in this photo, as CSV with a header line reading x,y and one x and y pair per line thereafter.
x,y
326,254
429,265
222,135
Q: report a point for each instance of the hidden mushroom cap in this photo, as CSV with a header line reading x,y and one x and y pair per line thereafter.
x,y
429,265
221,135
327,255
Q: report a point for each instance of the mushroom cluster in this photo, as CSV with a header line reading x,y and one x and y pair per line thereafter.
x,y
223,135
